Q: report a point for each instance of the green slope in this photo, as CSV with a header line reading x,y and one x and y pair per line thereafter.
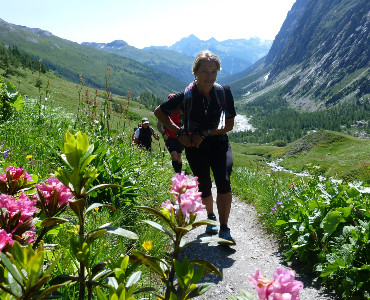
x,y
69,60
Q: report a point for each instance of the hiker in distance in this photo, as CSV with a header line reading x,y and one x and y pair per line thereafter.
x,y
143,135
173,145
209,114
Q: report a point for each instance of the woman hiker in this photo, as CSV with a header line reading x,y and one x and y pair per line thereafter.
x,y
209,114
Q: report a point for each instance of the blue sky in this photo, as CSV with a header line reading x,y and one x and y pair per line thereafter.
x,y
144,23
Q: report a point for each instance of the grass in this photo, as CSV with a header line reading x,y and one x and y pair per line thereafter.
x,y
333,155
326,153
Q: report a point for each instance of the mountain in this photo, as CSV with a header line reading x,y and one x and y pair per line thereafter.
x,y
236,54
165,60
320,57
69,60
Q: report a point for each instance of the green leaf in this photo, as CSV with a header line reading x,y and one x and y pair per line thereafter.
x,y
158,214
11,268
34,268
18,102
208,266
204,222
160,227
50,293
134,278
100,294
95,234
333,267
20,255
280,222
82,142
97,205
150,262
87,161
55,221
63,278
121,232
103,186
330,223
208,239
199,290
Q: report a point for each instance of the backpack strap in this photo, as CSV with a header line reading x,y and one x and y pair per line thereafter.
x,y
220,96
221,100
188,95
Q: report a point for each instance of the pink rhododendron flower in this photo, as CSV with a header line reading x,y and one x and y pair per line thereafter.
x,y
285,284
262,284
16,173
187,197
168,205
29,236
12,206
180,183
191,202
53,184
5,238
282,287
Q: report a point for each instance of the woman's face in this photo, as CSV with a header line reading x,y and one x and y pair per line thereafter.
x,y
206,75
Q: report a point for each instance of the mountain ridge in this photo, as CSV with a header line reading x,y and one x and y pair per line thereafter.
x,y
236,54
319,58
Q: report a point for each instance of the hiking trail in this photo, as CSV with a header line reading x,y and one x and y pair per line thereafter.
x,y
254,249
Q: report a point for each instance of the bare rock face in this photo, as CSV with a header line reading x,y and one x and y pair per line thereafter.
x,y
320,56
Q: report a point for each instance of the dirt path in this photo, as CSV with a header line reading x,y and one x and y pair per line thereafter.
x,y
254,249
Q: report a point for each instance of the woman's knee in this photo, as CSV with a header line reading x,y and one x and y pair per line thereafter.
x,y
205,188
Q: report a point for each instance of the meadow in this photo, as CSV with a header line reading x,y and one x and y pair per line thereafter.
x,y
323,223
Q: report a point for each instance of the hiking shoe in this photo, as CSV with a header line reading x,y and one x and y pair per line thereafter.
x,y
211,229
225,234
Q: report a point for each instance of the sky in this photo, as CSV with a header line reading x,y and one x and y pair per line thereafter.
x,y
144,23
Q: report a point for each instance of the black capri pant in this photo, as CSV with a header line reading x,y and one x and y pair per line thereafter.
x,y
215,154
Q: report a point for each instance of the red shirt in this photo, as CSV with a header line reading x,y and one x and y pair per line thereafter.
x,y
175,117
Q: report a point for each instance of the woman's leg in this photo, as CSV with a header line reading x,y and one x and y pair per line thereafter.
x,y
224,207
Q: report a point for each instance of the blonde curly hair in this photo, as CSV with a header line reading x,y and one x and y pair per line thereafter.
x,y
206,55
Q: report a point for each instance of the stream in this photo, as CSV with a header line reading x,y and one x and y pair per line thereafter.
x,y
274,165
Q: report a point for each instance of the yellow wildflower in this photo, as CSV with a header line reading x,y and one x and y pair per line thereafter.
x,y
147,245
29,157
76,229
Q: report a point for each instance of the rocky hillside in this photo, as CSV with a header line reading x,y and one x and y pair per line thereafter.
x,y
319,59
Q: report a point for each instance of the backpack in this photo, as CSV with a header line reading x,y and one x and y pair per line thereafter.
x,y
135,128
220,95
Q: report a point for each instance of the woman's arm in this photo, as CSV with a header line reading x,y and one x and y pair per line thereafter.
x,y
229,125
166,120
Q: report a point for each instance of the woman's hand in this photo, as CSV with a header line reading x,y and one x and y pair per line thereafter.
x,y
185,140
196,140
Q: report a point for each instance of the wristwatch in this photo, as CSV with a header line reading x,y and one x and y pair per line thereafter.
x,y
180,132
199,132
209,132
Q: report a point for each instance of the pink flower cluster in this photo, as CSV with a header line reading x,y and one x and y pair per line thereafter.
x,y
187,197
16,173
5,238
282,287
11,207
53,184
